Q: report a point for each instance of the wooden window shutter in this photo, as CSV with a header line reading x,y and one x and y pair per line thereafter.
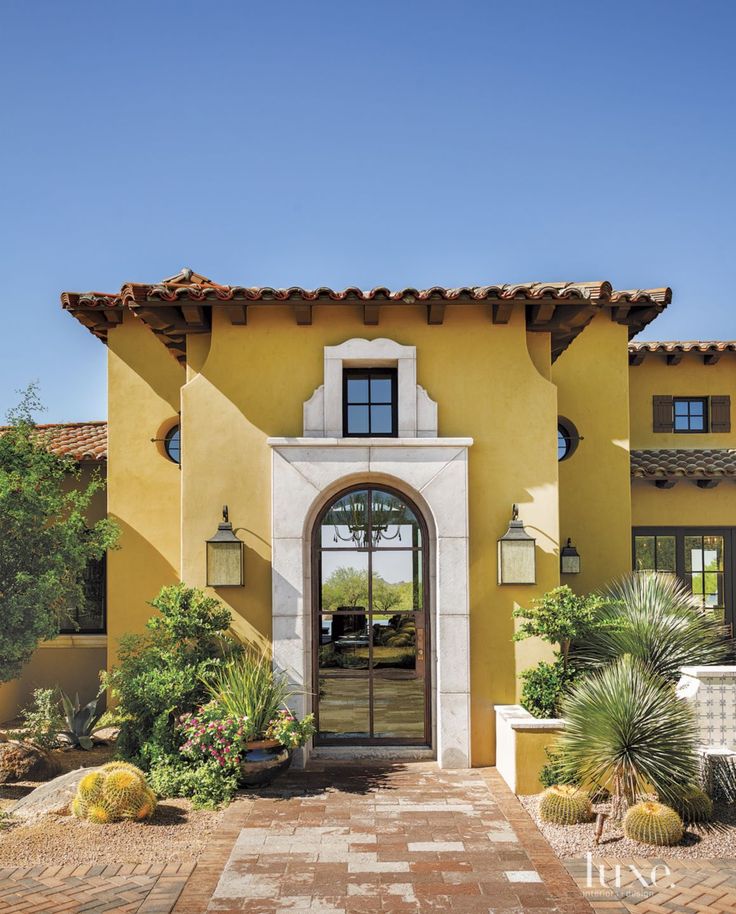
x,y
720,414
662,414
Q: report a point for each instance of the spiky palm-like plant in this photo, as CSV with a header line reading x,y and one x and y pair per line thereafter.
x,y
625,730
654,618
249,687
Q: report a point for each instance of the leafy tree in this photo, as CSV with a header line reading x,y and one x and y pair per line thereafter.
x,y
559,617
45,540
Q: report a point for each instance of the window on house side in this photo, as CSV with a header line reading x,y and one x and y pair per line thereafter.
x,y
370,403
172,444
690,414
90,619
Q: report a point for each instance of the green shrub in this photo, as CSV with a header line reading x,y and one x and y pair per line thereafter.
x,y
654,618
565,804
625,730
207,784
544,686
556,771
161,674
653,823
42,719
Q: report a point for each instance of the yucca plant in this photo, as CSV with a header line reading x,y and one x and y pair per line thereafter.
x,y
249,687
626,731
654,618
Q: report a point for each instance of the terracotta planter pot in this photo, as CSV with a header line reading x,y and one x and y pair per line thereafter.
x,y
264,760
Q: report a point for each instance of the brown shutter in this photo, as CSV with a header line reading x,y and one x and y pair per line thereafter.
x,y
720,414
662,414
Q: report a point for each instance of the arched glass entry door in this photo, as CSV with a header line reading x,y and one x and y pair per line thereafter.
x,y
371,631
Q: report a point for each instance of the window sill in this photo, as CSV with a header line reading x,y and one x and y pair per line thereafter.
x,y
79,640
370,442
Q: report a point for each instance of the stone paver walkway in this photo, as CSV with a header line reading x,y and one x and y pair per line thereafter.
x,y
370,837
127,888
618,885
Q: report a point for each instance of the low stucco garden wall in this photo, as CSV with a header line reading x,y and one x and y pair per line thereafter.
x,y
521,741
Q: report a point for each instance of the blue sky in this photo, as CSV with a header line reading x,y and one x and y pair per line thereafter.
x,y
335,143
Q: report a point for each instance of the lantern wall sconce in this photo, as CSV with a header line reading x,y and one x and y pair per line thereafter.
x,y
517,554
225,556
569,559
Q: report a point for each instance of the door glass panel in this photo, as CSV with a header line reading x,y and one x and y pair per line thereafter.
x,y
345,526
393,522
665,553
704,569
344,584
344,642
644,553
344,711
395,642
397,581
398,707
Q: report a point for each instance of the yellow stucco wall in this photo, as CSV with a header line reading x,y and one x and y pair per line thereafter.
x,y
143,485
244,384
690,378
595,502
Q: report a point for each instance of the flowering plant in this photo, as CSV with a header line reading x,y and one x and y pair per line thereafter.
x,y
211,734
289,731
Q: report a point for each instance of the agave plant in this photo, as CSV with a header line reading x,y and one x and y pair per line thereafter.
x,y
249,687
80,721
626,731
654,618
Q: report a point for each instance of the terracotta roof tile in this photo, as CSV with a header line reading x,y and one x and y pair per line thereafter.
x,y
698,463
80,440
703,346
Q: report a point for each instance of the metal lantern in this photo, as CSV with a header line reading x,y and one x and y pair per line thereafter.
x,y
224,556
569,559
517,554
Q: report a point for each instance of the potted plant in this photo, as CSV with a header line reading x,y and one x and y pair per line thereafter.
x,y
246,726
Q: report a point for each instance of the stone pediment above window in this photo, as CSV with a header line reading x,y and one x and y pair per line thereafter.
x,y
416,411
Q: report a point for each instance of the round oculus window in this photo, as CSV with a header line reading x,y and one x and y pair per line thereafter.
x,y
172,444
567,438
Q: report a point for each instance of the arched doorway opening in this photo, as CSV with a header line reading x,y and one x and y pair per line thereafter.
x,y
371,631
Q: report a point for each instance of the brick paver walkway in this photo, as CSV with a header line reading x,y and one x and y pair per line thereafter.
x,y
116,888
355,839
618,885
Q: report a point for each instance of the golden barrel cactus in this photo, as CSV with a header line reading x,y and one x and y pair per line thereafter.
x,y
565,804
653,823
695,807
115,792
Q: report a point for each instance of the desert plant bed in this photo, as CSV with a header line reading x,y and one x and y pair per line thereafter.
x,y
176,834
715,840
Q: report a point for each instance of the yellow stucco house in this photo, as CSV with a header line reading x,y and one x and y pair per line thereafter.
x,y
370,448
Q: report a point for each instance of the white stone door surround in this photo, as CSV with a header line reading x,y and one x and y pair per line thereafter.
x,y
306,473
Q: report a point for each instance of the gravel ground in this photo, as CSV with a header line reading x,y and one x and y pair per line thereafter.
x,y
175,834
719,840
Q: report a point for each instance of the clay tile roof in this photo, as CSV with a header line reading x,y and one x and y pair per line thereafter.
x,y
80,440
669,346
698,463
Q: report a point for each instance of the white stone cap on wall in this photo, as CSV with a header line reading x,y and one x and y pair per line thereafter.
x,y
369,442
519,718
705,672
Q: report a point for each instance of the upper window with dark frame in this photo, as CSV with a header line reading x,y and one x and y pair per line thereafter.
x,y
690,414
91,617
370,403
